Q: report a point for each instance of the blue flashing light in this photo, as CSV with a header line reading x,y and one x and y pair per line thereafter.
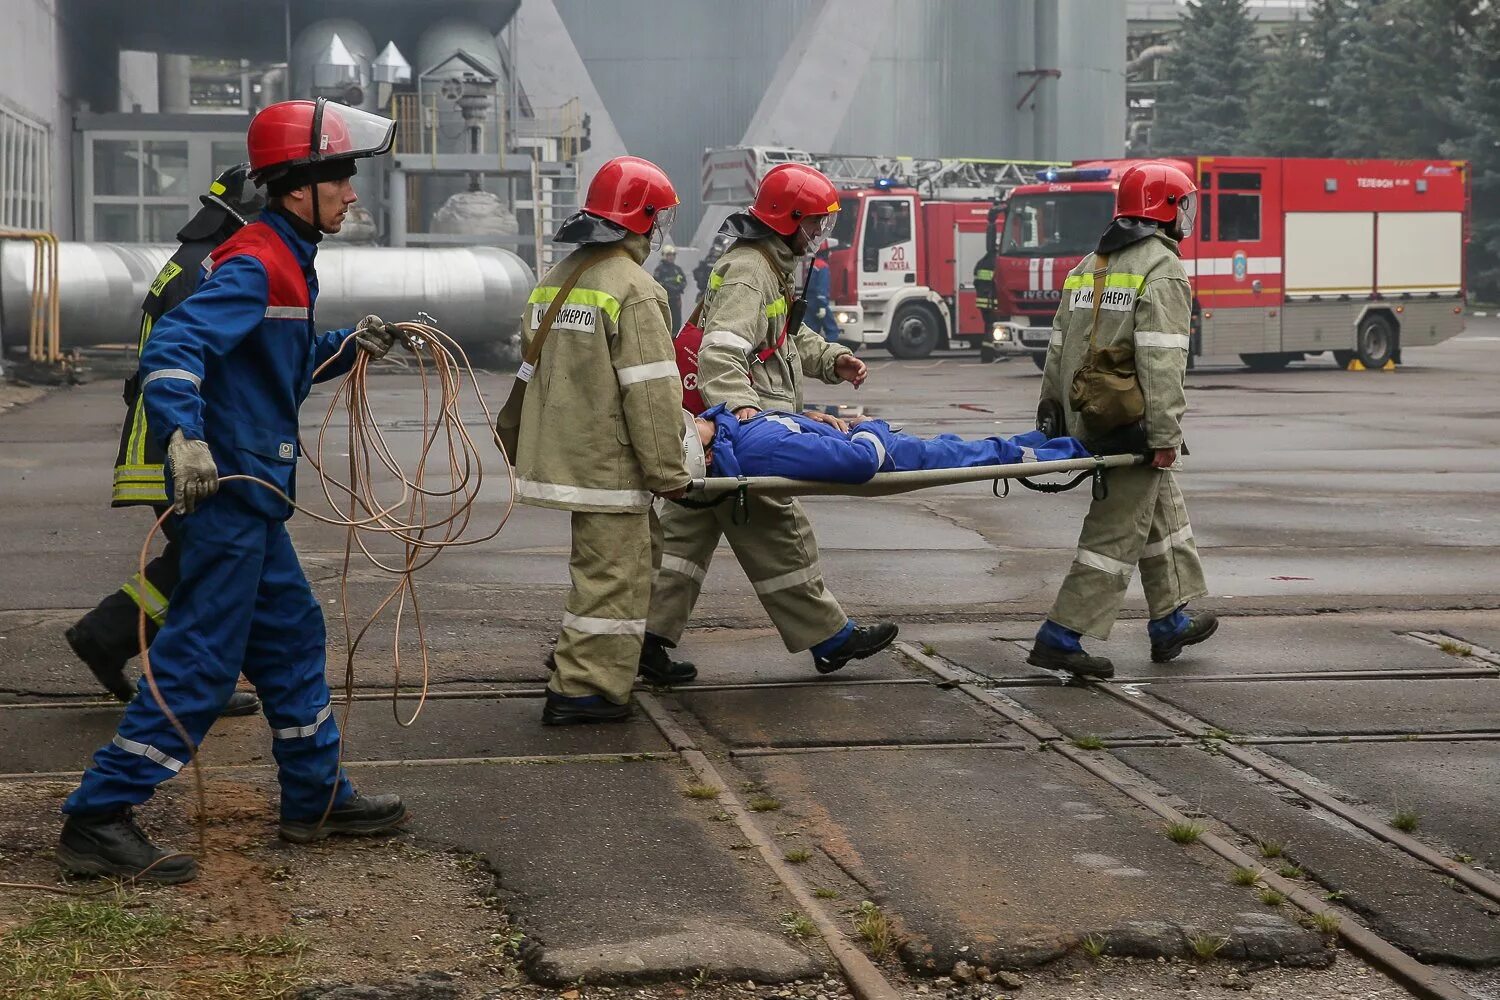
x,y
1052,175
885,183
1049,175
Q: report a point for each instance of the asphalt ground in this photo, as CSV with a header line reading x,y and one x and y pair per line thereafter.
x,y
996,816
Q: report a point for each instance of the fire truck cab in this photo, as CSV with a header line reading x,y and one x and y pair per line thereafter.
x,y
1292,257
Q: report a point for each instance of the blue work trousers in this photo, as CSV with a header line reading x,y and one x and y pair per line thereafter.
x,y
242,605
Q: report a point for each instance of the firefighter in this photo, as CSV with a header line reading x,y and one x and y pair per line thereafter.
x,y
107,637
819,286
222,376
673,280
601,432
1143,521
984,278
752,360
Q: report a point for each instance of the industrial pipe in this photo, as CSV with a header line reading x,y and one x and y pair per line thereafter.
x,y
476,294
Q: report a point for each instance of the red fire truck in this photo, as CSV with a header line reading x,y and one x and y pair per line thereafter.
x,y
909,233
1292,257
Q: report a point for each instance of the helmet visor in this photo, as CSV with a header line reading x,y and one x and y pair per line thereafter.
x,y
340,132
815,230
661,226
1187,214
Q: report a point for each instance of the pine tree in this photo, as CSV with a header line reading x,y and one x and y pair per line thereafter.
x,y
1478,113
1289,108
1204,107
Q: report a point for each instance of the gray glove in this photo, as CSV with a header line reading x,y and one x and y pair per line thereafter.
x,y
195,477
375,336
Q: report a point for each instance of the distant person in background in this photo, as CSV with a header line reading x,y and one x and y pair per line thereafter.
x,y
706,263
672,278
819,314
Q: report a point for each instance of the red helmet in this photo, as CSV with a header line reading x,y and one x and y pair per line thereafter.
x,y
633,193
1158,191
791,192
293,134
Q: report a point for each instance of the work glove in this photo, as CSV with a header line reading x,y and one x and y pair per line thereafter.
x,y
375,336
195,477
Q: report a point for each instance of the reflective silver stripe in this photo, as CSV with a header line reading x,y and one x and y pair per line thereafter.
x,y
149,752
1150,338
1173,540
1028,454
582,494
604,626
727,338
297,732
286,312
181,373
1055,339
645,373
787,580
874,440
683,567
1096,561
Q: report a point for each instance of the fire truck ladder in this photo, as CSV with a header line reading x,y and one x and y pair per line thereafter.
x,y
951,178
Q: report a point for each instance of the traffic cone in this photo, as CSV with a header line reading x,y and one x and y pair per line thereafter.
x,y
1389,366
1356,366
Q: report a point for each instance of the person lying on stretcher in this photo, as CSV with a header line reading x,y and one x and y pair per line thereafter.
x,y
774,443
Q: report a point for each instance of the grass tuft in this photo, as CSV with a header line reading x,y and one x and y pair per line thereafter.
x,y
1458,649
265,945
1271,897
1270,848
825,893
1089,742
875,927
1206,946
1406,820
1324,923
797,925
928,649
798,855
1245,877
1095,945
1185,833
763,804
1289,871
701,792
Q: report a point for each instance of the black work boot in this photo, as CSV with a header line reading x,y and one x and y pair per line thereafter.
x,y
361,816
561,710
1074,661
112,844
658,668
865,640
107,668
1199,626
240,703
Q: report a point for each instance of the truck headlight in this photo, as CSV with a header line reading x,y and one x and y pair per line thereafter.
x,y
842,317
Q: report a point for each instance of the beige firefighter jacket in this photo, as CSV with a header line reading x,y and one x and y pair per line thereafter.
x,y
744,311
1147,303
601,426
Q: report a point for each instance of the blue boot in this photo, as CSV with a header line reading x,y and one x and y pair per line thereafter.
x,y
1059,648
1173,633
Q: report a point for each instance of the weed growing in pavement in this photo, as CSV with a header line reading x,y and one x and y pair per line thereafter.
x,y
1185,832
1455,648
928,649
701,979
1270,848
796,925
875,927
798,855
1090,742
1222,735
508,941
1289,871
1095,945
1335,896
1463,858
1324,923
1206,946
701,792
1406,820
825,893
721,817
1271,897
1245,877
763,804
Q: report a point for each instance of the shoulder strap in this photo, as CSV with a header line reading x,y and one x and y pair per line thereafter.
x,y
1101,265
534,351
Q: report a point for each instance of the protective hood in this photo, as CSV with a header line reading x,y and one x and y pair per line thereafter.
x,y
1123,232
584,227
744,226
211,223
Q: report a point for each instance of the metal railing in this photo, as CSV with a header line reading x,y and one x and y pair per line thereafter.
x,y
25,172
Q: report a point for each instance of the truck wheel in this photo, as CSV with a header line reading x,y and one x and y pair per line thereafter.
x,y
1040,360
1375,343
1268,362
915,331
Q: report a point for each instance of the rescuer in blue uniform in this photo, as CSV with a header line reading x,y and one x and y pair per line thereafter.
x,y
223,376
819,313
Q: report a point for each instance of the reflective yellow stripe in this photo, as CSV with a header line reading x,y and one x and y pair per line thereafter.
x,y
217,188
138,472
169,271
135,449
147,598
983,274
777,308
1123,280
580,297
715,280
1078,281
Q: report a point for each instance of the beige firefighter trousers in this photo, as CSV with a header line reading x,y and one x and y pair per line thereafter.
x,y
1142,522
778,552
604,621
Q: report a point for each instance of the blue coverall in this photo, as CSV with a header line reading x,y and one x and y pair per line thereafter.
x,y
791,445
819,309
230,366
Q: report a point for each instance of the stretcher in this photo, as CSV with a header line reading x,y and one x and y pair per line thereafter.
x,y
714,490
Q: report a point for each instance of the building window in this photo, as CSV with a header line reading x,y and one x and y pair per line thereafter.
x,y
1239,218
25,172
142,187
